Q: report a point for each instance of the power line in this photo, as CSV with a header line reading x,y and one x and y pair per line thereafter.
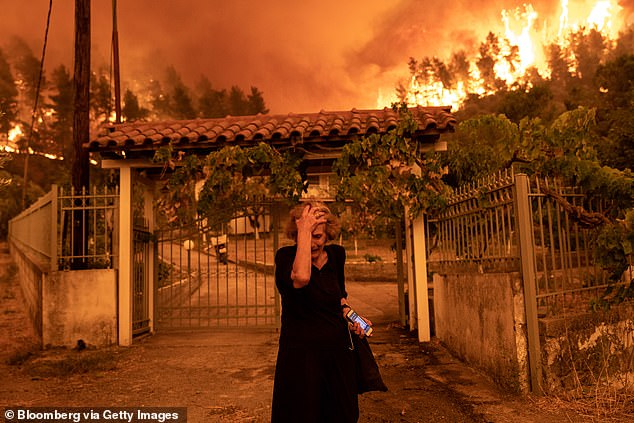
x,y
37,97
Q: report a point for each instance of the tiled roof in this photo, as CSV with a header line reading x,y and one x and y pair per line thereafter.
x,y
244,130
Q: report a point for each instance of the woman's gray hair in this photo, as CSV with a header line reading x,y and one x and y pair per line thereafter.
x,y
333,227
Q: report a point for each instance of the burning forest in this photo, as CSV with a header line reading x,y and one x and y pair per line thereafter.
x,y
528,48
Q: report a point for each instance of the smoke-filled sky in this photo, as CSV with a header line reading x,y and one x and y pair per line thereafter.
x,y
303,55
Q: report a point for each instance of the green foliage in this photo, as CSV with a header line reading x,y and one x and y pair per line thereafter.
x,y
480,147
61,102
567,150
372,258
611,250
231,179
101,103
386,174
4,180
131,109
8,95
11,199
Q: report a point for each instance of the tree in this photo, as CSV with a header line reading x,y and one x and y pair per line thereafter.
x,y
615,81
489,52
211,103
8,96
27,69
159,100
100,97
62,105
479,147
131,110
238,104
179,101
4,180
531,101
11,198
256,102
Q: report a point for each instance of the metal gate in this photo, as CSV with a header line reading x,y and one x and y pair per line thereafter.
x,y
215,276
141,279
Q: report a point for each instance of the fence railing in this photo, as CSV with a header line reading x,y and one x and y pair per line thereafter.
x,y
568,273
91,214
64,228
479,231
34,232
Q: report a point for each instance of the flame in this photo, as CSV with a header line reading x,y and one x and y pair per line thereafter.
x,y
14,133
521,47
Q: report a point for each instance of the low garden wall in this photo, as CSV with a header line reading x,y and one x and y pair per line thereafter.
x,y
591,350
480,318
68,306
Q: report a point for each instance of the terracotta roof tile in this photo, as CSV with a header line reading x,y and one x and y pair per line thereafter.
x,y
321,126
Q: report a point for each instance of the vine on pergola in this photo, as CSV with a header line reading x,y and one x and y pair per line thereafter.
x,y
383,175
227,181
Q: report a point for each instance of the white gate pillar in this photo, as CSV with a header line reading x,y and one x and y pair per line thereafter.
x,y
125,256
148,211
419,255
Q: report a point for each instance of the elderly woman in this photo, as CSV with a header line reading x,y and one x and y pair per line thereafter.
x,y
315,379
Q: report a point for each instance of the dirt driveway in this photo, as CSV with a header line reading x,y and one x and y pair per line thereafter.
x,y
227,375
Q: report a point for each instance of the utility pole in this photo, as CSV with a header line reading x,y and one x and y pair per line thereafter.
x,y
81,119
81,127
115,60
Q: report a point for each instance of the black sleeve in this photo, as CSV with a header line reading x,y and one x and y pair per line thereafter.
x,y
340,254
284,258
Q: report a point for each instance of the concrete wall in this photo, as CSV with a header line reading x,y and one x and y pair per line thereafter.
x,y
30,274
80,304
480,318
69,305
591,349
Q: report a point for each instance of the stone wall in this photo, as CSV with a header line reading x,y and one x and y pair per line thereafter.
x,y
589,350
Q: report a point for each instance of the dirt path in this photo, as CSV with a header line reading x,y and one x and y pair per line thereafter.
x,y
227,375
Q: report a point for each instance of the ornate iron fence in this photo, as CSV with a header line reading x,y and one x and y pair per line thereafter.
x,y
480,231
49,229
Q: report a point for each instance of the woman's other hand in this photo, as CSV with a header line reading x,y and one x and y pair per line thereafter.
x,y
356,327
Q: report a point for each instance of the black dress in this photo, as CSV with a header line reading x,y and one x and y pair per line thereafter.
x,y
315,379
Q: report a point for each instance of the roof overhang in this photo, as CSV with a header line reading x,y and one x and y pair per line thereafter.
x,y
319,136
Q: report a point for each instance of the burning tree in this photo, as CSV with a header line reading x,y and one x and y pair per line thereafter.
x,y
519,56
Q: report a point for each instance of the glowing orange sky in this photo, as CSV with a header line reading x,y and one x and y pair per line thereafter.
x,y
304,55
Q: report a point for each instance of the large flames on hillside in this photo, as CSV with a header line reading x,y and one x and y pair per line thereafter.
x,y
522,39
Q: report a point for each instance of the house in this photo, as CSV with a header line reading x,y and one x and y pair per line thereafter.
x,y
319,137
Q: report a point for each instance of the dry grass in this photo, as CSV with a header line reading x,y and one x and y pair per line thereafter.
x,y
62,362
618,408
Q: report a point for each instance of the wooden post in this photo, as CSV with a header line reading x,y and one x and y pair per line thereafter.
x,y
81,122
81,127
525,231
115,63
